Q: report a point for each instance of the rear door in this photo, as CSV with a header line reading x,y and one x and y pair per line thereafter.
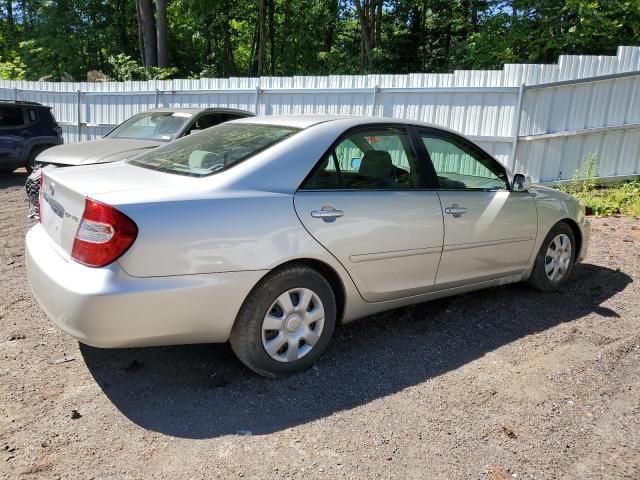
x,y
367,203
489,231
12,135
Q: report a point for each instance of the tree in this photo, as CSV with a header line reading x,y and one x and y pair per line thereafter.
x,y
261,36
161,33
222,38
149,37
370,18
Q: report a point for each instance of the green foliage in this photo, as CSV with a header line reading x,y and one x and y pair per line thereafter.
x,y
308,37
125,68
13,69
619,199
586,178
623,198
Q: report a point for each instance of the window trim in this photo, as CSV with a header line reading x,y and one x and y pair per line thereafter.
x,y
447,135
406,128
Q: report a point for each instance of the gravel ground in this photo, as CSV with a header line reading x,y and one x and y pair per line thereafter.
x,y
503,383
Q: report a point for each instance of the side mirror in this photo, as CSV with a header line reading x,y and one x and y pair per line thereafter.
x,y
521,183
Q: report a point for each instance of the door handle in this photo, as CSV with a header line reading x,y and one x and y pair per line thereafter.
x,y
455,210
327,213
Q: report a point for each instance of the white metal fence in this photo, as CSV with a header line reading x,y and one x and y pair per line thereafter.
x,y
539,119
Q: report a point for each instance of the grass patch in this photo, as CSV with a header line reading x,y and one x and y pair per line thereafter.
x,y
623,198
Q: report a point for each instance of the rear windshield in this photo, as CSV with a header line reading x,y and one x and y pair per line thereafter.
x,y
214,149
161,126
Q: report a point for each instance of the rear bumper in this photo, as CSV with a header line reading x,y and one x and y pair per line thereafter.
x,y
105,307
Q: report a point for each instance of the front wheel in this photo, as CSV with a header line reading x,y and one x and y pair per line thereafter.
x,y
31,161
555,259
285,323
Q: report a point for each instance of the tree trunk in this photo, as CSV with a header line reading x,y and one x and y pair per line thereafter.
x,y
161,27
272,38
140,35
10,13
261,23
148,33
333,8
229,61
370,19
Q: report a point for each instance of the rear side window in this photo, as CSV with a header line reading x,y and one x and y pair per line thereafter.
x,y
11,117
32,114
213,150
369,159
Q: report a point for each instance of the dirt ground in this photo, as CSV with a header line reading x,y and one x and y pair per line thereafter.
x,y
499,384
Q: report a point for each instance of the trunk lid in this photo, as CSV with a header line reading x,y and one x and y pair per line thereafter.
x,y
64,191
96,151
60,213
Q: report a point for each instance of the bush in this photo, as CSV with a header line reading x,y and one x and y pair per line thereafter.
x,y
623,198
126,68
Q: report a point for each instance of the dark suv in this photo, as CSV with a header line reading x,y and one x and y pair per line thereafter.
x,y
26,129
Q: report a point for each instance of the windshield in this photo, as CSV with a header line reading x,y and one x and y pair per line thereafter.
x,y
161,126
214,149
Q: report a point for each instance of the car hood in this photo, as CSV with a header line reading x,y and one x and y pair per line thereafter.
x,y
96,151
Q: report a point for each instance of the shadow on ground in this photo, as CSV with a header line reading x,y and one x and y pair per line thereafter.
x,y
13,179
202,391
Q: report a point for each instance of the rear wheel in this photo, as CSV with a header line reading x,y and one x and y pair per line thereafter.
x,y
555,259
285,323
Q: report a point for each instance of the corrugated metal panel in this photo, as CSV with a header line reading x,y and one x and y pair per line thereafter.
x,y
479,104
611,107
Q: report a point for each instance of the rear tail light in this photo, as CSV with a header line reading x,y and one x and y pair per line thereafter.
x,y
103,236
40,197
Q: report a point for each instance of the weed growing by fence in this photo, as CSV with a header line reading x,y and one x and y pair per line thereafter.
x,y
623,198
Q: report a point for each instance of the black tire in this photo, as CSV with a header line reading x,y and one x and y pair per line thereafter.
x,y
31,161
247,336
539,279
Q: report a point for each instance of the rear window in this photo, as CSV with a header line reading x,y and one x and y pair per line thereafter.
x,y
213,150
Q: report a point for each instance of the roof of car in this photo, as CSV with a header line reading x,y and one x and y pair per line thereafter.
x,y
195,110
296,121
21,103
305,121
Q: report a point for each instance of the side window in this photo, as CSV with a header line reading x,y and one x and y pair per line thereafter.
x,y
372,159
32,114
207,121
460,167
11,117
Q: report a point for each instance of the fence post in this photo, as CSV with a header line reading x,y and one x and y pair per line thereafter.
x,y
15,94
255,110
515,132
374,103
157,97
79,113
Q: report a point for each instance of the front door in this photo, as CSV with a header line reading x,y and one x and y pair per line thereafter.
x,y
489,231
365,203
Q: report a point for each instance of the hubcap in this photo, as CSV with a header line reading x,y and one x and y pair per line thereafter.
x,y
558,258
293,325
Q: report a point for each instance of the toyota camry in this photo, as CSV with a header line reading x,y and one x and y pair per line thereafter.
x,y
267,232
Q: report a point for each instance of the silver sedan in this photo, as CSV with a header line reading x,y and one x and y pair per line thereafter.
x,y
267,231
